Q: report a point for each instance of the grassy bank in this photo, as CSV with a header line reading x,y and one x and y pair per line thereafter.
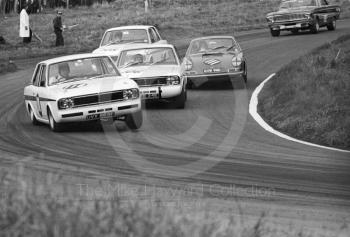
x,y
175,22
309,98
43,204
176,19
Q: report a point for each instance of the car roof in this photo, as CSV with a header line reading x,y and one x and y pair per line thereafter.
x,y
73,57
214,37
132,27
144,46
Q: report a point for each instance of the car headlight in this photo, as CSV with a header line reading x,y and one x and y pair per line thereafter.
x,y
237,60
188,64
270,19
173,80
131,94
65,103
308,16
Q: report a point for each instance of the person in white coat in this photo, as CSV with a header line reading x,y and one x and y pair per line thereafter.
x,y
24,29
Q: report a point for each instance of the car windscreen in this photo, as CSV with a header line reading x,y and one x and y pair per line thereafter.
x,y
125,36
147,56
81,69
297,3
213,45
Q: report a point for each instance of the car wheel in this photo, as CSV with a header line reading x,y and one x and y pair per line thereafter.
x,y
245,73
295,31
134,120
275,33
32,117
190,84
332,25
180,100
315,28
54,126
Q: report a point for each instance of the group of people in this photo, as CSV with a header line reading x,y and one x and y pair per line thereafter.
x,y
26,33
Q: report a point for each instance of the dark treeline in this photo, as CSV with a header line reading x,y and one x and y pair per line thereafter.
x,y
8,6
35,6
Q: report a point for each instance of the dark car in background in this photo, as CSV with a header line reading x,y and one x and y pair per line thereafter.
x,y
297,15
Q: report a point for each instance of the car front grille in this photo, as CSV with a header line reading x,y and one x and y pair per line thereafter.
x,y
153,81
101,98
290,17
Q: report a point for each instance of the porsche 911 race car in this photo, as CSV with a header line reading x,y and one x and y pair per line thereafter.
x,y
79,88
115,38
157,70
214,57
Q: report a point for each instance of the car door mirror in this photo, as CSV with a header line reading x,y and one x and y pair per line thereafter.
x,y
162,42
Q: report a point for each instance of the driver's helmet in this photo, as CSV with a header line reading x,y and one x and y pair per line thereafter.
x,y
62,68
202,45
118,35
138,58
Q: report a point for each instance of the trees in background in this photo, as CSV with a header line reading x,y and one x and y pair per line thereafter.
x,y
9,6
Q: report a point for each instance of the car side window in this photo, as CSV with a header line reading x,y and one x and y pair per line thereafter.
x,y
157,32
43,76
156,36
36,76
108,67
323,2
151,35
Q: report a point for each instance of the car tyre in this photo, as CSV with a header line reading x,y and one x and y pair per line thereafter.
x,y
295,31
315,27
134,120
180,100
332,25
54,126
190,85
32,117
275,33
245,73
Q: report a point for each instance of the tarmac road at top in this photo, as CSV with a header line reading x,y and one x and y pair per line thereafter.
x,y
213,140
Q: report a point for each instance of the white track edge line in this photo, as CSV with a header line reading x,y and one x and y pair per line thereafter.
x,y
253,110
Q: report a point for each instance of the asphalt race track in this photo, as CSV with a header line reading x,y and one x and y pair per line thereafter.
x,y
213,140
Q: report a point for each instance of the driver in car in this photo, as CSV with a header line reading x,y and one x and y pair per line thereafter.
x,y
138,58
63,71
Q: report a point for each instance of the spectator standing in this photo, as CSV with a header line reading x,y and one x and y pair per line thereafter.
x,y
58,28
24,30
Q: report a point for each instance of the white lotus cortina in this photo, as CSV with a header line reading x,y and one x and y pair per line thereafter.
x,y
114,39
157,70
79,88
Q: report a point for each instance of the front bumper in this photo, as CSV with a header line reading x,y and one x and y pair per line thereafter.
x,y
160,92
95,112
292,25
192,77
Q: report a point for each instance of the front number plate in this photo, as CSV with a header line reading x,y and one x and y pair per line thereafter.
x,y
150,95
212,70
100,116
291,27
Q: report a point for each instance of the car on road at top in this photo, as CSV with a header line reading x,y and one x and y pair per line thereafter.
x,y
157,70
214,58
81,87
114,39
296,15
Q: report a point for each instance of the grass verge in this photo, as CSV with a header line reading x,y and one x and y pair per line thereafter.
x,y
44,205
309,98
176,19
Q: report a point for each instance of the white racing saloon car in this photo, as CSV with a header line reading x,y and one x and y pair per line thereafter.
x,y
157,70
81,88
114,39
